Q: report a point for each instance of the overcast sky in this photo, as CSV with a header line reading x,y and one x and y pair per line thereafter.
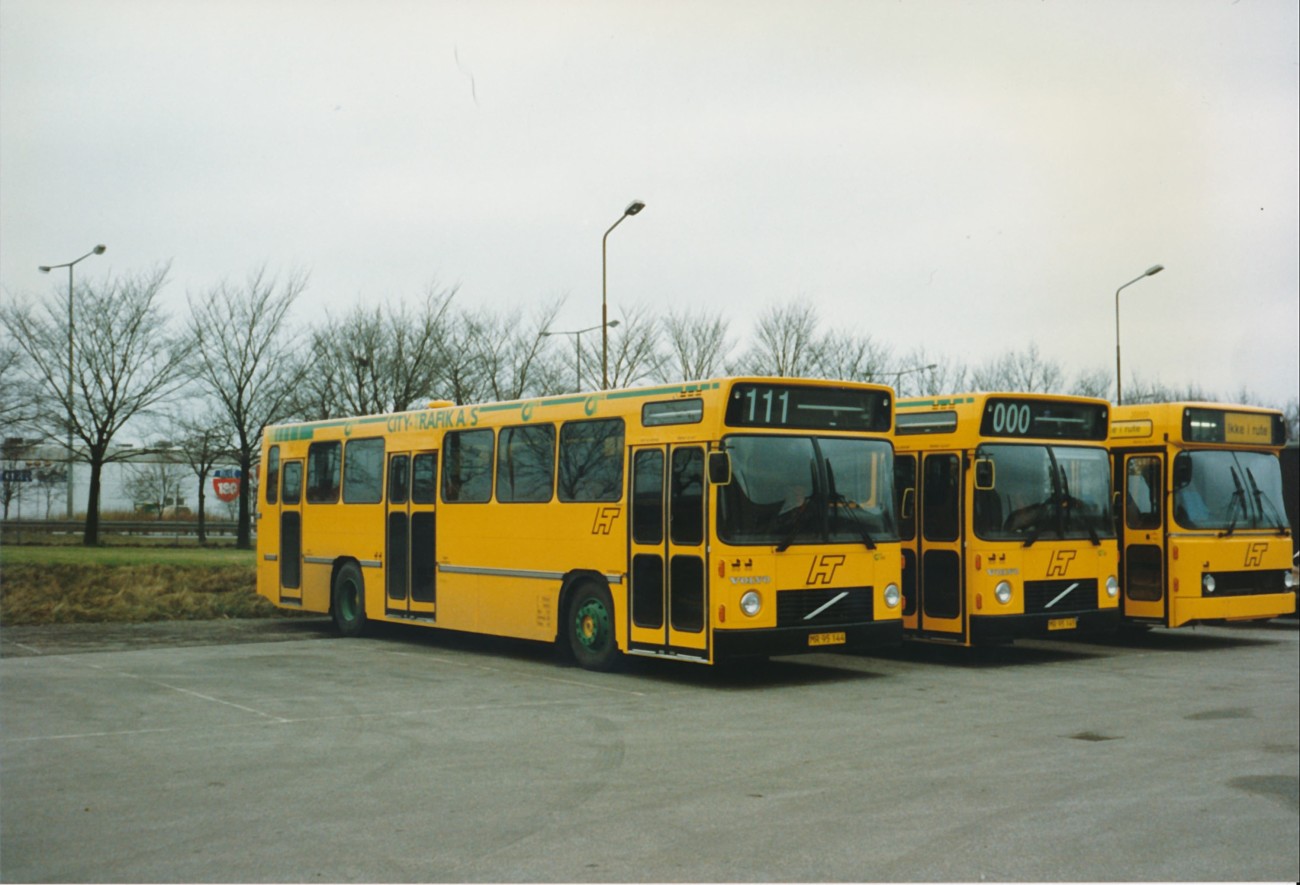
x,y
969,177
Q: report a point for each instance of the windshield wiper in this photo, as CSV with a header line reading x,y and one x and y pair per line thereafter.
x,y
1261,499
801,512
837,499
1238,495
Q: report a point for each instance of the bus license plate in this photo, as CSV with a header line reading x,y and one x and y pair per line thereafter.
x,y
817,639
1062,623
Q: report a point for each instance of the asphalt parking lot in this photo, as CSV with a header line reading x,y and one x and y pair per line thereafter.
x,y
272,751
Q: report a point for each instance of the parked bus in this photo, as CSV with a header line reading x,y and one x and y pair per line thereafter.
x,y
1204,533
703,521
1005,516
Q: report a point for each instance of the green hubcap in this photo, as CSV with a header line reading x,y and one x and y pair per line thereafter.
x,y
592,625
348,601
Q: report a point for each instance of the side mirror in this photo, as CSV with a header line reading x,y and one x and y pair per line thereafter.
x,y
719,468
1182,470
984,474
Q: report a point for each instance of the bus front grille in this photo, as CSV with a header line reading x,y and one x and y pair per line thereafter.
x,y
1051,597
824,608
1249,583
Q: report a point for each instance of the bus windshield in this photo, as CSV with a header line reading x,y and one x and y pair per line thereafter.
x,y
1228,490
1050,491
788,490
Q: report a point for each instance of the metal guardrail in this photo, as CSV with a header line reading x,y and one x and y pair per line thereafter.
x,y
17,531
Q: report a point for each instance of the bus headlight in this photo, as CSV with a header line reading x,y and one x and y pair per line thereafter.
x,y
1288,579
1112,586
1208,583
1003,592
751,603
892,596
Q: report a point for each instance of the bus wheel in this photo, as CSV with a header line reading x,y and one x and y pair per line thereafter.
x,y
349,594
590,623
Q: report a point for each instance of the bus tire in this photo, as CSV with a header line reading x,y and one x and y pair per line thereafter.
x,y
589,625
348,600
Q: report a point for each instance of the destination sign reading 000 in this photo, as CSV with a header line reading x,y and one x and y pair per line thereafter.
x,y
809,408
1044,419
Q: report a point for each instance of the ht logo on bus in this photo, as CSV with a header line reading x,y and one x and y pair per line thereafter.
x,y
1255,554
823,568
1060,563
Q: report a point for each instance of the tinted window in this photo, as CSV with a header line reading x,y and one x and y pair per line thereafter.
x,y
467,466
424,478
292,479
526,463
363,472
324,460
591,460
273,475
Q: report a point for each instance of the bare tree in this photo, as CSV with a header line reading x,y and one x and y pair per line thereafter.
x,y
785,342
698,345
843,355
156,483
380,359
1092,382
246,359
509,347
124,362
1023,371
635,353
204,444
920,373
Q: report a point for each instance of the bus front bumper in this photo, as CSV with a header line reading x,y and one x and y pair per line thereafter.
x,y
987,630
803,640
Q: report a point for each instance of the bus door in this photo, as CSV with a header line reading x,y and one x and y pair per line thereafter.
x,y
410,536
939,585
1143,500
668,592
290,516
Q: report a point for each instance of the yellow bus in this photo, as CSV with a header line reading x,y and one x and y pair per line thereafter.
x,y
1005,516
702,521
1204,533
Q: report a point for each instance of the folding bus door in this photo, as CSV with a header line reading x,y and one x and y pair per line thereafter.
x,y
668,592
411,538
1143,553
940,587
290,517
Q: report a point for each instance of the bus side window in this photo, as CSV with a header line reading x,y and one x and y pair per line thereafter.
x,y
1143,492
591,460
363,472
467,467
273,475
905,493
324,460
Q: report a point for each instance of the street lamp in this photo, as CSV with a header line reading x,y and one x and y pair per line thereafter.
x,y
98,250
633,208
1150,271
899,374
577,345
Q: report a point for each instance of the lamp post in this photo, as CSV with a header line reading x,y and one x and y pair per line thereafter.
x,y
899,374
633,208
1150,271
577,345
98,250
